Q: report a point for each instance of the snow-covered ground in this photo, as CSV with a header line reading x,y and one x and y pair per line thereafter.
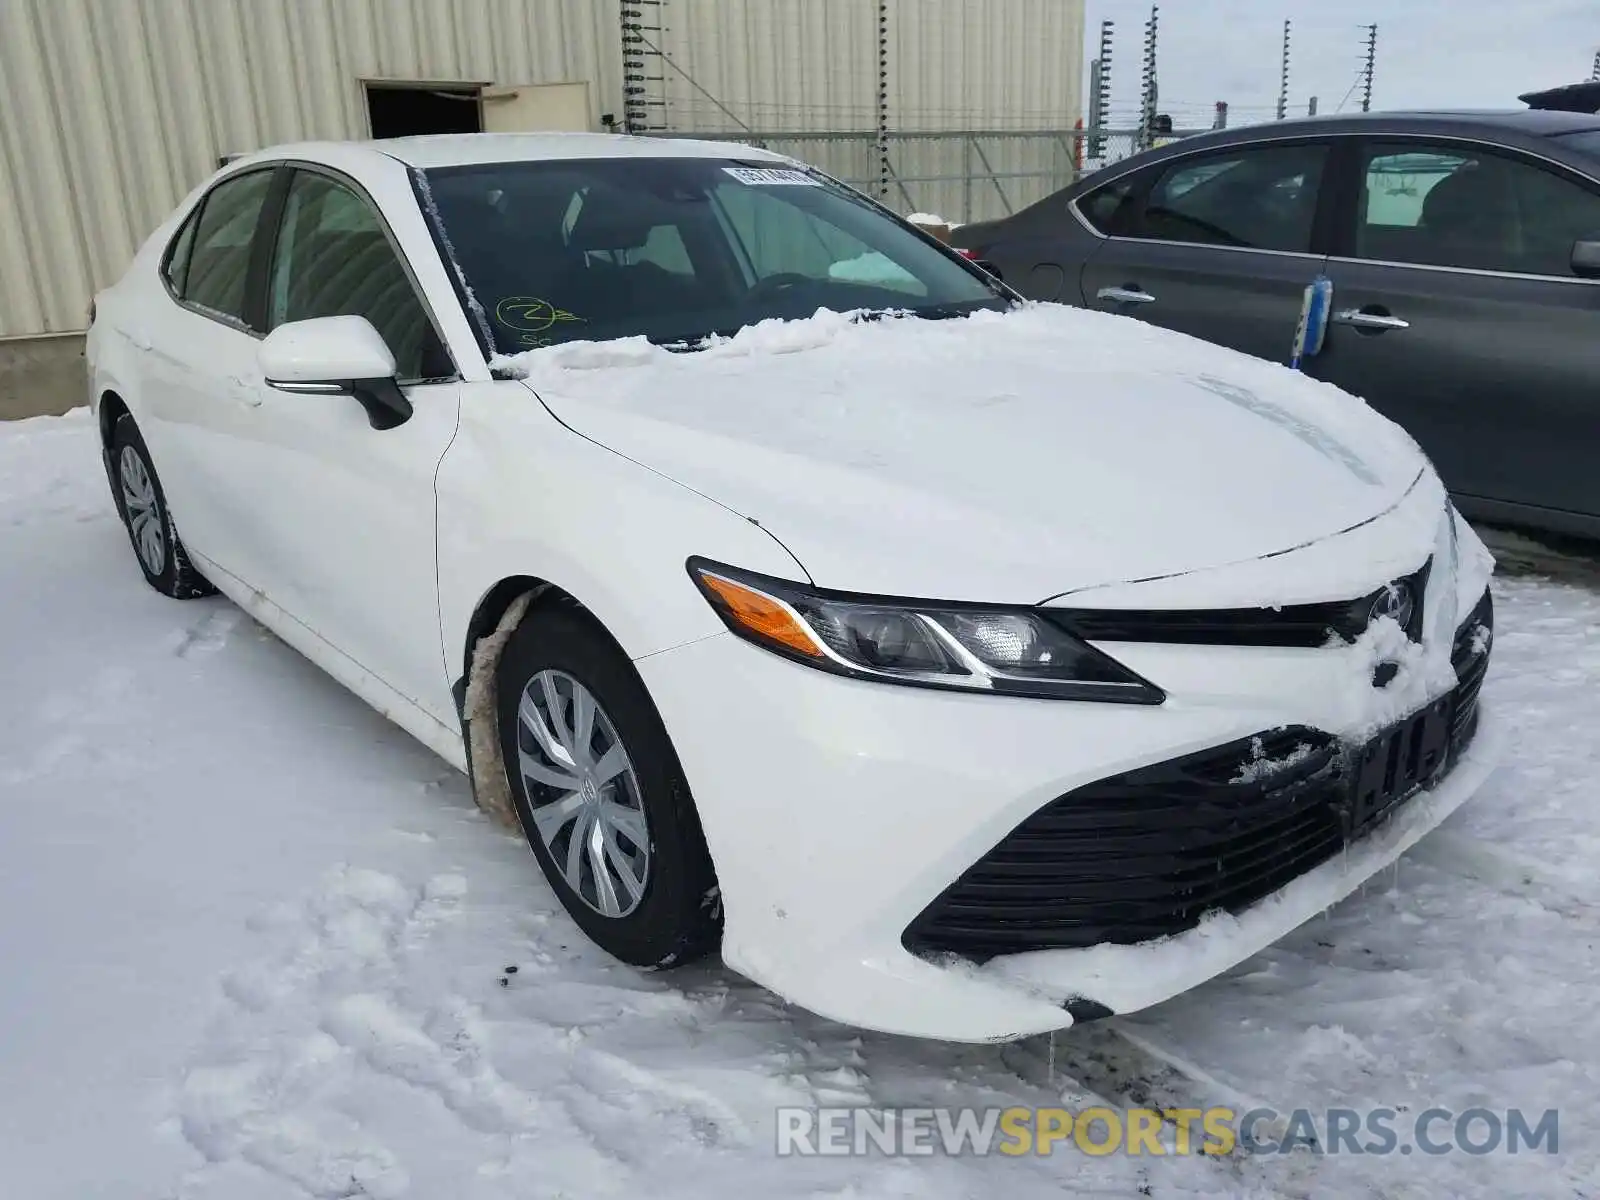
x,y
258,944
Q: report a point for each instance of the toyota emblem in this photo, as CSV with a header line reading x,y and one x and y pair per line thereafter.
x,y
1398,601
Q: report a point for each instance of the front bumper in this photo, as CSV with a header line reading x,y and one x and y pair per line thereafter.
x,y
1150,853
839,811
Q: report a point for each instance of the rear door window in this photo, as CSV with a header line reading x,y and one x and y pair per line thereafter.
x,y
1470,207
1259,198
1114,208
219,263
176,269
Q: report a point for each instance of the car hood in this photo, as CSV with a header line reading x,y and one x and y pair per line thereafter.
x,y
1005,457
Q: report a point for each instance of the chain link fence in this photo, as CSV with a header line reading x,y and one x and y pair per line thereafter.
x,y
963,175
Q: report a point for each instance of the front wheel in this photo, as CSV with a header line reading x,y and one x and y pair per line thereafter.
x,y
142,505
600,794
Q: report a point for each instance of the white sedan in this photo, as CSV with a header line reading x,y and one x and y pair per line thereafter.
x,y
963,668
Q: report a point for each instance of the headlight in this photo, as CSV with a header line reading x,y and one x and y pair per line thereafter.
x,y
962,647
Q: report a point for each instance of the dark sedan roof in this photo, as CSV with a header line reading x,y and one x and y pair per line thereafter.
x,y
1527,122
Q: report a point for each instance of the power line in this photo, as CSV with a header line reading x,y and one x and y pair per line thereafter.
x,y
1354,84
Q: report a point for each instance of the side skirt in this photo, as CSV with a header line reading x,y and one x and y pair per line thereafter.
x,y
447,743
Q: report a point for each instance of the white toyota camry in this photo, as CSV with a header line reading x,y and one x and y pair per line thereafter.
x,y
964,668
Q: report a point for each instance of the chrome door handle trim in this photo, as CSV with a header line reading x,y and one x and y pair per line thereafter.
x,y
1124,295
1367,320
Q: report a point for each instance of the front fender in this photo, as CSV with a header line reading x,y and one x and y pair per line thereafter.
x,y
520,494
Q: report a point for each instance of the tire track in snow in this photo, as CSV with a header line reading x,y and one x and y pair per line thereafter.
x,y
354,1059
332,1023
393,1044
260,1093
210,633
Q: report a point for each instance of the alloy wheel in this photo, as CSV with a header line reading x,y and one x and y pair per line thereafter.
x,y
139,501
583,793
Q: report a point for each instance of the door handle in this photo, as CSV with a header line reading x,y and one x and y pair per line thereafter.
x,y
1130,294
1365,318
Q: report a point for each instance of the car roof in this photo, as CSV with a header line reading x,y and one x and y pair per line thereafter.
x,y
1538,122
469,149
1526,122
464,149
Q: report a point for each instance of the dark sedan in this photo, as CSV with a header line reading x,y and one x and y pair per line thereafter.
x,y
1464,255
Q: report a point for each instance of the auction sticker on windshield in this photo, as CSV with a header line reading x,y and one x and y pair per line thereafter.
x,y
770,176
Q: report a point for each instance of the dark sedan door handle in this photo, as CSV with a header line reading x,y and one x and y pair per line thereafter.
x,y
1370,318
1127,294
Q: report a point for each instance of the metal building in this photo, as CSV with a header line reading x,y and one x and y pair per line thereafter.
x,y
112,110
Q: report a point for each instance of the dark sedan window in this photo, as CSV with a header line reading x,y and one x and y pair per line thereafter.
x,y
1471,208
1260,198
1113,209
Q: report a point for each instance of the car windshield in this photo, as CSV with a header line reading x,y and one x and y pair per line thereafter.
x,y
677,249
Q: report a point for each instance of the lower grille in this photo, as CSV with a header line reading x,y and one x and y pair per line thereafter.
x,y
1470,657
1147,853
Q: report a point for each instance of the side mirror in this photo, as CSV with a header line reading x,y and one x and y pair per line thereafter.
x,y
983,264
336,356
1586,259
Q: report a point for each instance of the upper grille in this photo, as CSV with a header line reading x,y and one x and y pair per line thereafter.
x,y
1305,625
1147,853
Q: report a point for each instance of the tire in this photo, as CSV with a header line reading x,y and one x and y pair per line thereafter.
x,y
650,830
142,505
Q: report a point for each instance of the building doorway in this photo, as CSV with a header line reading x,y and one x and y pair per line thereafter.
x,y
402,110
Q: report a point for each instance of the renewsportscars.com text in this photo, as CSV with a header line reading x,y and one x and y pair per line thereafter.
x,y
1173,1131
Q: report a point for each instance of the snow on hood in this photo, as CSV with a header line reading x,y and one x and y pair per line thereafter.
x,y
1005,456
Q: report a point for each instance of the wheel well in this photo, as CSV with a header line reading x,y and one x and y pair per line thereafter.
x,y
499,613
111,408
492,607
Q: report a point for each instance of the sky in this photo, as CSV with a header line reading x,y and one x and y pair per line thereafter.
x,y
1431,53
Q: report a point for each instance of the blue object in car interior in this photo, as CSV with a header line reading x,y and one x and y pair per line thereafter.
x,y
1313,324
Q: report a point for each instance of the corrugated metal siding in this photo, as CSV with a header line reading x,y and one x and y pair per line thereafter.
x,y
112,110
769,65
985,64
812,65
